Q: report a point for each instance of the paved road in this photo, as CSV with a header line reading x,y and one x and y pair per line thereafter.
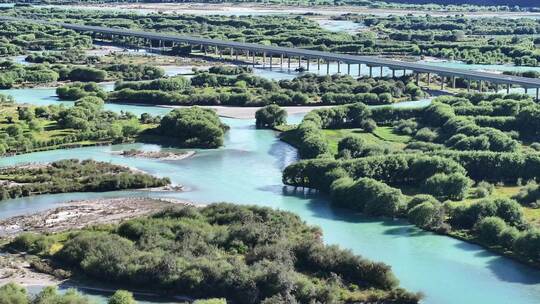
x,y
296,52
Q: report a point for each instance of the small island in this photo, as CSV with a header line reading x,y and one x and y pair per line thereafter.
x,y
72,175
161,155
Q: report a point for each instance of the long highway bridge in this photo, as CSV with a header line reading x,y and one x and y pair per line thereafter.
x,y
270,52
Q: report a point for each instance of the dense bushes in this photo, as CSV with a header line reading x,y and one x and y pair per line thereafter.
x,y
270,116
447,186
244,254
73,176
368,196
79,90
193,127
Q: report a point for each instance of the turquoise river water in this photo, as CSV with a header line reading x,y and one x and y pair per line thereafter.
x,y
247,170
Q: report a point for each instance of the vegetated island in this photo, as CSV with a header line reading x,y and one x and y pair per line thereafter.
x,y
72,175
241,253
464,166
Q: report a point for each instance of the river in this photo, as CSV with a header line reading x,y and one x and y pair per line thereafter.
x,y
247,170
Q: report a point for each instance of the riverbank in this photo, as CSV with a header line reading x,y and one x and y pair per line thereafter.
x,y
79,214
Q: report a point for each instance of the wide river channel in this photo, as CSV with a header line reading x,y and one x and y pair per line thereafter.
x,y
247,170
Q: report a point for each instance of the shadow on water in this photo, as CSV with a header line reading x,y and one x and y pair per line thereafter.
x,y
513,272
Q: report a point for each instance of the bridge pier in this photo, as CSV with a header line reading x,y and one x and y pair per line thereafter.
x,y
359,69
537,94
453,82
339,67
417,79
281,61
271,55
381,75
289,62
469,85
348,69
327,67
307,63
370,72
442,82
393,73
253,58
264,60
299,62
318,64
428,79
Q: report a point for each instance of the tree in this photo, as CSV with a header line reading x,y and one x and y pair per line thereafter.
x,y
122,297
355,147
427,215
489,229
453,186
193,127
270,116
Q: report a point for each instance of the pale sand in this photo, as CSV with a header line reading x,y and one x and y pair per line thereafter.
x,y
249,112
78,214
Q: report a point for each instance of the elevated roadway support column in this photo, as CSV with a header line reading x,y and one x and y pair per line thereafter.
x,y
327,67
508,89
289,62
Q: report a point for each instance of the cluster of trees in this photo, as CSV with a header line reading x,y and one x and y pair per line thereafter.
x,y
72,176
435,165
270,116
71,56
489,40
12,73
23,127
19,37
240,253
220,86
78,90
193,127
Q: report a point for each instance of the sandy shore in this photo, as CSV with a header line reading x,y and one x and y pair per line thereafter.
x,y
249,112
14,268
78,214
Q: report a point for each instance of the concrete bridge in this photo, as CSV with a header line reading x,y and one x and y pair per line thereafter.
x,y
322,58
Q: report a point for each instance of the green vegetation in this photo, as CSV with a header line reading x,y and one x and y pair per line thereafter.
x,y
12,74
270,116
72,176
193,127
441,175
243,254
245,89
26,129
474,40
17,38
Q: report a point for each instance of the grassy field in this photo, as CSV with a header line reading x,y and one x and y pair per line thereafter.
x,y
383,136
